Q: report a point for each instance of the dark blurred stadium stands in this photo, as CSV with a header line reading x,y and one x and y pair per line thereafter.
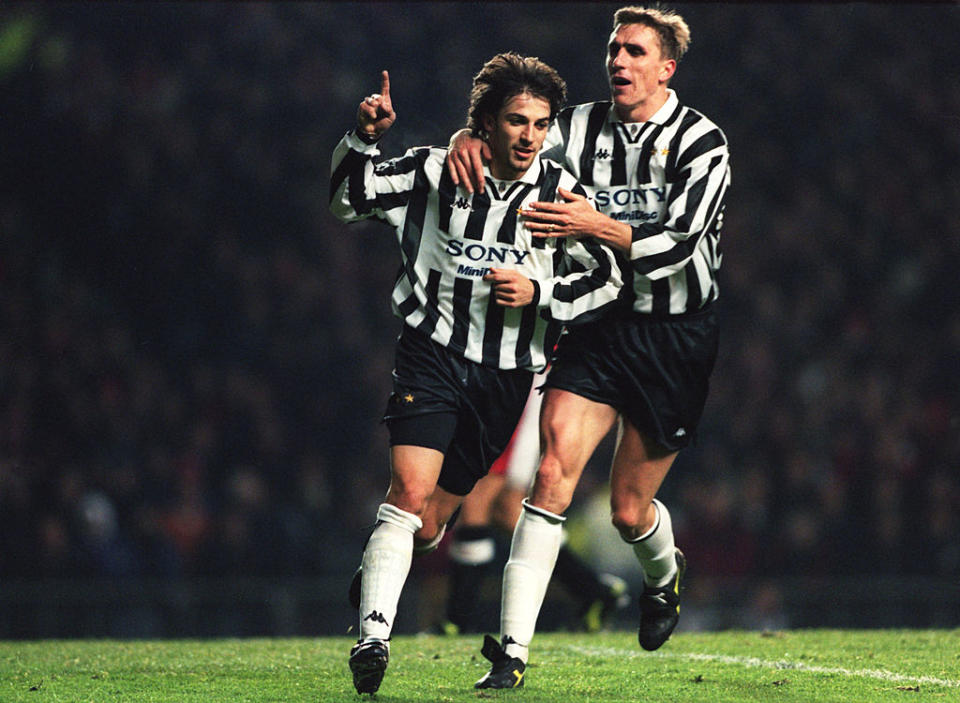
x,y
194,354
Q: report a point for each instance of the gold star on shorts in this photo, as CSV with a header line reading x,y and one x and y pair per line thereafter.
x,y
408,398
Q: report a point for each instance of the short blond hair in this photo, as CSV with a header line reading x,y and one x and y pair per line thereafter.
x,y
670,27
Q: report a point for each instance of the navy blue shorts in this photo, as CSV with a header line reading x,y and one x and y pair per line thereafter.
x,y
655,371
458,407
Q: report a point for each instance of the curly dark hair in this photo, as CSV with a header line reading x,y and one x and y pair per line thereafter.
x,y
509,74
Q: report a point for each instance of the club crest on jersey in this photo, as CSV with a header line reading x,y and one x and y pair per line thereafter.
x,y
476,253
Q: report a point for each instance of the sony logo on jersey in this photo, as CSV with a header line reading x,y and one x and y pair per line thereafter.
x,y
628,196
480,252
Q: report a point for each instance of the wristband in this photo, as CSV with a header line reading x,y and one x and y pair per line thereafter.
x,y
365,137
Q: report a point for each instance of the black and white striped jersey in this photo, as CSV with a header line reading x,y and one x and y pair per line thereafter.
x,y
667,178
449,240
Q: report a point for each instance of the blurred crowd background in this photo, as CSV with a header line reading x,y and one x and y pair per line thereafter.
x,y
194,355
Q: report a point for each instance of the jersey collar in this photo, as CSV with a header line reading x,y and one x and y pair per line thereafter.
x,y
531,176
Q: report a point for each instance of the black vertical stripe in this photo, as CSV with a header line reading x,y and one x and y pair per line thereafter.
x,y
352,161
646,153
677,160
414,222
595,122
446,192
695,196
528,321
626,271
561,264
618,167
462,294
492,333
478,216
508,228
549,181
661,296
357,192
694,293
432,309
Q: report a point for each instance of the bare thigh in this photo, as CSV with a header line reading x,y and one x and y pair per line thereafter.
x,y
571,427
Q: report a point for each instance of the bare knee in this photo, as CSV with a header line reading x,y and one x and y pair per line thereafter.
x,y
632,518
553,488
408,498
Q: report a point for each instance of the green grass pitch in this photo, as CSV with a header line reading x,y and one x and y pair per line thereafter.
x,y
804,666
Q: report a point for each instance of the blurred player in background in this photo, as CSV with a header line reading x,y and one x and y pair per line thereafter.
x,y
657,172
482,302
492,509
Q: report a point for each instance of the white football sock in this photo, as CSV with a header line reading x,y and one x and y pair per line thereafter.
x,y
533,554
386,563
656,549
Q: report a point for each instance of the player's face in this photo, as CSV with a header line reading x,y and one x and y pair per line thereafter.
x,y
638,73
516,135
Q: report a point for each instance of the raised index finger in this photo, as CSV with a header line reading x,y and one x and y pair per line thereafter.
x,y
385,84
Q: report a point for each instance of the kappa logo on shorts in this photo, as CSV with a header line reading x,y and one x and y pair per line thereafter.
x,y
680,433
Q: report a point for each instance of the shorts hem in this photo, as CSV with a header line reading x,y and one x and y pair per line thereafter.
x,y
570,388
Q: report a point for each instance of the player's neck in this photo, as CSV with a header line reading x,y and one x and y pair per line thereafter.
x,y
642,112
506,172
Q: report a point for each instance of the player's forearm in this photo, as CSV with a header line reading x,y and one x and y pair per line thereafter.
x,y
615,234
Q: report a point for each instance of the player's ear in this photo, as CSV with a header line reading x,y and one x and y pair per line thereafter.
x,y
487,121
667,70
